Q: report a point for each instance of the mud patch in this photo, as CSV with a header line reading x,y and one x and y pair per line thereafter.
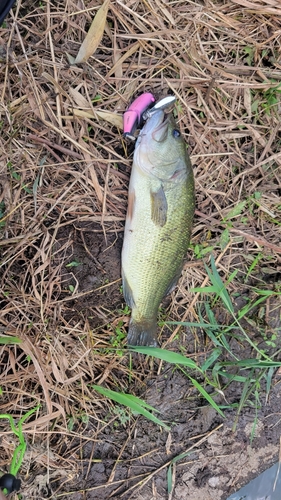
x,y
91,271
132,460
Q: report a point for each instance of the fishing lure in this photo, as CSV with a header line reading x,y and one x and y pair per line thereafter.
x,y
133,115
141,109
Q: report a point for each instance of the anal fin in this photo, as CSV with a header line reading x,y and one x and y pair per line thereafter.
x,y
173,283
127,291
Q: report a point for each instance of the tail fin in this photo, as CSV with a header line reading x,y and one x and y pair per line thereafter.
x,y
142,333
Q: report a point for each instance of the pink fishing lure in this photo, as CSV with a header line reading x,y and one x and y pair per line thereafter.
x,y
132,116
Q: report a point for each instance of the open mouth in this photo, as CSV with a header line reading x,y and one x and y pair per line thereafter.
x,y
155,128
160,131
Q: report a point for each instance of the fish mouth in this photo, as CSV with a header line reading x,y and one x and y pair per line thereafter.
x,y
154,130
155,127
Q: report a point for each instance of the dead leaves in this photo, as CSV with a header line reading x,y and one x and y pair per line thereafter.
x,y
261,6
94,35
86,111
108,116
87,49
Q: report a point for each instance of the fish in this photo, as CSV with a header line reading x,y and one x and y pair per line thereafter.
x,y
161,201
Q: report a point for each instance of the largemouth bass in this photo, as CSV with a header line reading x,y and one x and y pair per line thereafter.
x,y
158,223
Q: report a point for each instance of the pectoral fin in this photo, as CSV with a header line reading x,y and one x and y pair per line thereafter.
x,y
159,207
127,292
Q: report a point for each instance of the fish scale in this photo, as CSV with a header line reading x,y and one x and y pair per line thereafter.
x,y
158,224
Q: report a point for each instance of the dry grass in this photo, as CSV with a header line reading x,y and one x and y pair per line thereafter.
x,y
62,166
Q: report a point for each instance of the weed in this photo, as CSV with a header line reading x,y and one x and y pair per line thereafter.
x,y
97,99
9,340
74,263
117,340
19,452
137,405
123,414
17,177
272,98
125,310
215,371
255,262
267,100
250,52
74,419
200,250
178,359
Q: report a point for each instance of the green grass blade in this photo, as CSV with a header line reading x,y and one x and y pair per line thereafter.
x,y
204,289
220,337
217,286
218,283
253,265
169,479
248,307
169,356
144,404
136,405
267,293
191,325
237,210
211,359
217,370
10,340
169,472
181,456
257,363
207,396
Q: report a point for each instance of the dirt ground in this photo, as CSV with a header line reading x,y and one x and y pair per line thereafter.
x,y
64,173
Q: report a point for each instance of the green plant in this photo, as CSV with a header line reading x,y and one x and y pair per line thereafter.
x,y
250,52
179,360
73,419
74,263
123,414
217,372
271,98
19,452
201,249
267,100
118,337
9,340
137,405
125,310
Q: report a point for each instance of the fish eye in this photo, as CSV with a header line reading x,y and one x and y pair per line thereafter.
x,y
176,133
